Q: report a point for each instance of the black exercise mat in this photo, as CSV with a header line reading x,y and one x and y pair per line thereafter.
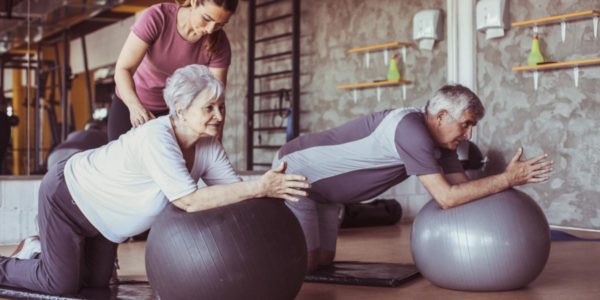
x,y
363,273
125,290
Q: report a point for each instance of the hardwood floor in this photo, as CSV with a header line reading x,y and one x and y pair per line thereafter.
x,y
572,272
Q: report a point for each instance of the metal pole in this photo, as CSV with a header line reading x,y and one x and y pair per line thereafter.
x,y
250,94
64,95
2,100
37,128
8,7
57,77
51,109
28,90
88,84
296,68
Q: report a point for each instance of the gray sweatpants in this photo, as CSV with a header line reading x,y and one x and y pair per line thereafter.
x,y
319,222
74,253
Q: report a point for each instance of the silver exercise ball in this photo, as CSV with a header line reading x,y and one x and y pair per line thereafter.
x,y
500,242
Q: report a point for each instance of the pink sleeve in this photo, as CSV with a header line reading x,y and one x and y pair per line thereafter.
x,y
149,26
221,54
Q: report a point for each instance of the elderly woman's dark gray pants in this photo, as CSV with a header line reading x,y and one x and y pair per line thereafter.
x,y
74,253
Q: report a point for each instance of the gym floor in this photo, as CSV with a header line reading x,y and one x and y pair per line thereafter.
x,y
572,271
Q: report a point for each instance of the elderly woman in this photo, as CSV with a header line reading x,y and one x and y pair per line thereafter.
x,y
97,198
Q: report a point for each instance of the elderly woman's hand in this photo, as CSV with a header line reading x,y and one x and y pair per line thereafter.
x,y
275,183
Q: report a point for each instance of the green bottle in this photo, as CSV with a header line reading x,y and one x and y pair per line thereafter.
x,y
535,55
393,73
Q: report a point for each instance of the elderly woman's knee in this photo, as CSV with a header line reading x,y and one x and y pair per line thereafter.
x,y
63,287
319,258
326,257
312,261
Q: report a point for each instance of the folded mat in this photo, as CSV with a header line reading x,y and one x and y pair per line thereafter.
x,y
364,273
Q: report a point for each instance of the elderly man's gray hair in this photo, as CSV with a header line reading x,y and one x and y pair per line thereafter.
x,y
455,99
186,83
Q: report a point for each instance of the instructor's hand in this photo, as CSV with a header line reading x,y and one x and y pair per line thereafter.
x,y
534,170
275,183
139,115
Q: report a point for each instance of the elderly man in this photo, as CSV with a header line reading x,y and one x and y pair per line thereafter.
x,y
365,157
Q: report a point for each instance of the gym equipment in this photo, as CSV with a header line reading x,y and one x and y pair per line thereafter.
x,y
379,212
500,242
253,249
364,273
76,142
473,158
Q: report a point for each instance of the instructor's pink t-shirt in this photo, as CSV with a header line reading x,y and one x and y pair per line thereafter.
x,y
168,51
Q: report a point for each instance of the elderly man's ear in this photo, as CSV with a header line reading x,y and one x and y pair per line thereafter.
x,y
439,117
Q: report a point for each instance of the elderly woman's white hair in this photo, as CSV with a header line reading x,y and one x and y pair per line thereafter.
x,y
186,83
455,99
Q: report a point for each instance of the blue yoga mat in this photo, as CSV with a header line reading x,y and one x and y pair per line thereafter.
x,y
557,235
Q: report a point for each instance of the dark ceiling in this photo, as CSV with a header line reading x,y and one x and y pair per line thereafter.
x,y
52,17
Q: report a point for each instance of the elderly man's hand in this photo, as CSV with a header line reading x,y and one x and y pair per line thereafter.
x,y
275,183
533,170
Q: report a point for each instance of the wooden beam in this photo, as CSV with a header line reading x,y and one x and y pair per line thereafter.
x,y
132,9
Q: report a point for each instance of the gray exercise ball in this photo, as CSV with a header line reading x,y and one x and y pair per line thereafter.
x,y
500,242
253,249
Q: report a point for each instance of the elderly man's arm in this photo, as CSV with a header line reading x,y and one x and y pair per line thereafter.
x,y
274,183
456,178
456,189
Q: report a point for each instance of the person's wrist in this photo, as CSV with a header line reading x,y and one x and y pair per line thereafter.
x,y
133,104
261,188
507,179
138,107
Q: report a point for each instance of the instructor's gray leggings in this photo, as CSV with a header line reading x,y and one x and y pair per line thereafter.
x,y
74,253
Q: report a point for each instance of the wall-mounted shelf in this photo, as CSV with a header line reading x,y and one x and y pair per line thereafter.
x,y
377,84
362,85
558,65
381,46
385,47
557,19
562,19
575,64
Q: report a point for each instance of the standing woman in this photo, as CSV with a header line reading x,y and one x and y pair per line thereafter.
x,y
168,36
